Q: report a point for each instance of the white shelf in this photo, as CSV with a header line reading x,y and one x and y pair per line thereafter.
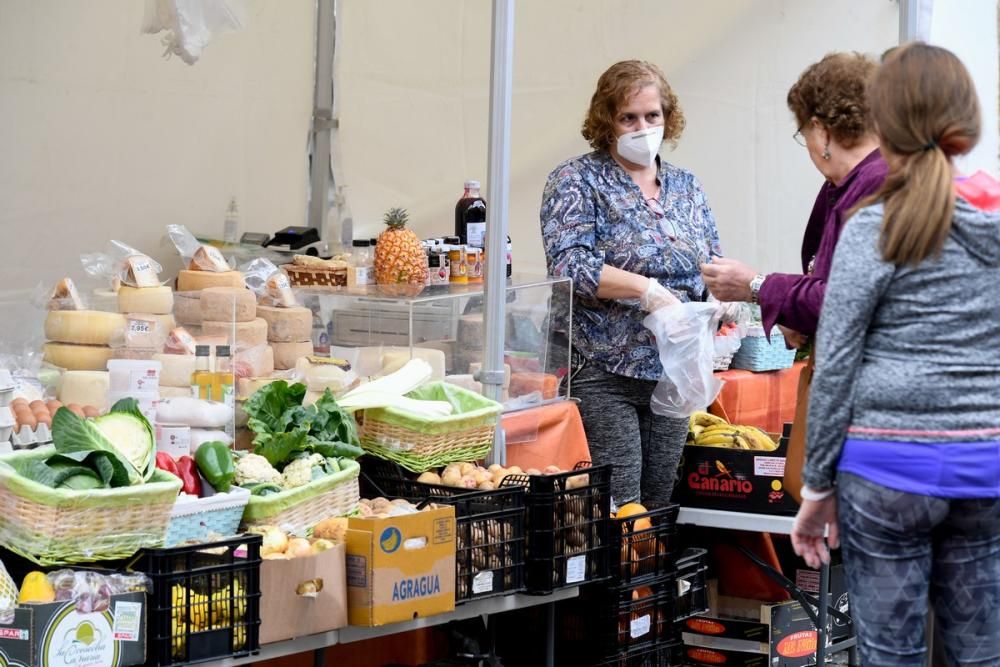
x,y
761,523
351,634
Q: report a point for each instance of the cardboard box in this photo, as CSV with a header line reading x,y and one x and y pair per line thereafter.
x,y
742,631
292,610
401,567
737,480
56,635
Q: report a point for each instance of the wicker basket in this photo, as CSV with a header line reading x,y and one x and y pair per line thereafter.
x,y
757,354
63,526
299,509
203,519
419,443
304,276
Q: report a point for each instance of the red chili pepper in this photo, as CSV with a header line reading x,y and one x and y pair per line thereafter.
x,y
166,462
188,472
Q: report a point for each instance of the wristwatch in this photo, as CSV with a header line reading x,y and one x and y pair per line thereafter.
x,y
755,285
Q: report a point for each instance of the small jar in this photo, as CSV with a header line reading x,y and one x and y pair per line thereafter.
x,y
438,271
474,265
459,269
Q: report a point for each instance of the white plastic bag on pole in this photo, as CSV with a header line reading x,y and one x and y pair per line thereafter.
x,y
191,24
685,338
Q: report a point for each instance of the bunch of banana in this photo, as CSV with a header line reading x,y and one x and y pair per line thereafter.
x,y
707,430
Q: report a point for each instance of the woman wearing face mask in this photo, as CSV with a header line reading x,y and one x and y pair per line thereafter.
x,y
630,230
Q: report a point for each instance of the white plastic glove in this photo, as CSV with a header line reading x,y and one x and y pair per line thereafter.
x,y
656,296
737,312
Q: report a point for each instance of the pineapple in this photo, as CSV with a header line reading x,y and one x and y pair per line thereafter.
x,y
399,257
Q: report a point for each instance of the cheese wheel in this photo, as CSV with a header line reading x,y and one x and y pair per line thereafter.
x,y
77,357
156,300
85,388
247,387
85,327
176,370
248,334
187,308
286,354
145,331
174,392
193,281
228,304
287,325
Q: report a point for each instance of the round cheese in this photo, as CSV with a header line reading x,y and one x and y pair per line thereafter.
x,y
176,370
85,388
248,334
228,304
187,308
287,325
194,281
77,357
86,327
286,354
156,300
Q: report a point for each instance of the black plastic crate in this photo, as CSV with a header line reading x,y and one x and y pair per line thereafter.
x,y
205,602
669,654
489,533
643,546
692,592
569,526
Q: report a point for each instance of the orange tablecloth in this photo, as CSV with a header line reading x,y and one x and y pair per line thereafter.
x,y
765,400
546,435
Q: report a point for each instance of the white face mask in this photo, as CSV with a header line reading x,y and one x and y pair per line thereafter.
x,y
641,147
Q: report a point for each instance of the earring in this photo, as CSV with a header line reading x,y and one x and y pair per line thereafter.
x,y
826,152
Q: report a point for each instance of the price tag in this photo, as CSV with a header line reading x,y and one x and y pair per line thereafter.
x,y
141,272
639,626
576,569
140,326
482,583
128,617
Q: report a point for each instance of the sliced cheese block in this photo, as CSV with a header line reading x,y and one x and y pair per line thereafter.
x,y
174,392
85,388
228,304
65,297
193,281
247,387
287,325
248,334
176,370
77,357
187,308
87,327
394,358
286,354
156,300
254,362
320,376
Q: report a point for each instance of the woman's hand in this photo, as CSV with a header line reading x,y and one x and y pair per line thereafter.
x,y
656,296
794,340
811,523
728,279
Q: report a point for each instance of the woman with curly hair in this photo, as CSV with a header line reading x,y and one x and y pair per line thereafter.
x,y
630,230
831,107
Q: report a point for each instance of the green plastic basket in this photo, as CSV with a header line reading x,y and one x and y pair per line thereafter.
x,y
301,508
63,526
420,443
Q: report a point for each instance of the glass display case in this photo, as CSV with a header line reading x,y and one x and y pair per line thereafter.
x,y
378,328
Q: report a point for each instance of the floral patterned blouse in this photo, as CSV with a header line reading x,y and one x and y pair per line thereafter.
x,y
593,214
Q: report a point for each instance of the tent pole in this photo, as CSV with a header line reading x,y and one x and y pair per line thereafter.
x,y
322,120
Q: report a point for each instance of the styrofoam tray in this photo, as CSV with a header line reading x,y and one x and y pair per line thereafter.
x,y
26,438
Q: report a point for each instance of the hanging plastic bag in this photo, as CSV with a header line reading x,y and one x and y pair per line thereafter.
x,y
122,265
685,338
196,255
191,24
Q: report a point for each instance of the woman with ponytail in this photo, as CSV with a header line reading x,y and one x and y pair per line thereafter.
x,y
903,444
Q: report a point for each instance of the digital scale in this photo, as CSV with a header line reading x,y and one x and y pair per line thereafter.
x,y
298,240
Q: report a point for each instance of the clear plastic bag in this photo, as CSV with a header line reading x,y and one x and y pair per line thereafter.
x,y
685,338
269,283
197,256
191,24
115,267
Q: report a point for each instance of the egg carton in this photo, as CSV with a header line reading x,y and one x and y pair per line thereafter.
x,y
6,389
27,438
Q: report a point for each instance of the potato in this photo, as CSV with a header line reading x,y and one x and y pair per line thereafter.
x,y
333,529
532,471
450,468
480,477
429,477
578,481
552,470
467,468
515,470
486,486
495,468
451,478
468,481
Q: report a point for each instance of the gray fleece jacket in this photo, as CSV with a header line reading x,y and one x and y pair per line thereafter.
x,y
907,353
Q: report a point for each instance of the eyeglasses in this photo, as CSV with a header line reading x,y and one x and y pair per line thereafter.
x,y
654,205
800,138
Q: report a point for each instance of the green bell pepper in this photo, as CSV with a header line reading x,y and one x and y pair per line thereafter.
x,y
215,463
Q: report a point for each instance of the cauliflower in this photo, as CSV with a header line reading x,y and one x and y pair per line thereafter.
x,y
300,471
254,468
